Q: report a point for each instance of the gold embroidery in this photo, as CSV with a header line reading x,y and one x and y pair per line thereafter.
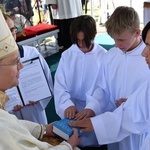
x,y
8,45
3,99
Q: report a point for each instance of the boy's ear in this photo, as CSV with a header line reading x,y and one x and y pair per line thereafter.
x,y
138,32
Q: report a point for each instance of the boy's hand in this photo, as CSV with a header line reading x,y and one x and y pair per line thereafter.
x,y
85,113
85,124
70,112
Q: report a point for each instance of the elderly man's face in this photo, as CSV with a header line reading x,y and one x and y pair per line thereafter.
x,y
146,51
9,71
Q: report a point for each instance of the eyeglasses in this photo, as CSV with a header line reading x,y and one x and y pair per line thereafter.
x,y
14,30
18,64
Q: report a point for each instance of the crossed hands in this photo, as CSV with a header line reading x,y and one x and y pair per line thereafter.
x,y
83,120
72,112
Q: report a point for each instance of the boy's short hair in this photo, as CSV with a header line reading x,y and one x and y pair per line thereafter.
x,y
87,25
123,18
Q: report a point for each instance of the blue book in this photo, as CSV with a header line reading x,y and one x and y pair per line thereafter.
x,y
62,128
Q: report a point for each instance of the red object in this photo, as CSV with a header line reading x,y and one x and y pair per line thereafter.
x,y
32,31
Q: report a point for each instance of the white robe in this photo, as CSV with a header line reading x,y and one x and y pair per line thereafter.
x,y
119,76
67,9
36,113
132,117
74,76
22,135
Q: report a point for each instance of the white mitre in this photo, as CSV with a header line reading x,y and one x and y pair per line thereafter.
x,y
8,45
